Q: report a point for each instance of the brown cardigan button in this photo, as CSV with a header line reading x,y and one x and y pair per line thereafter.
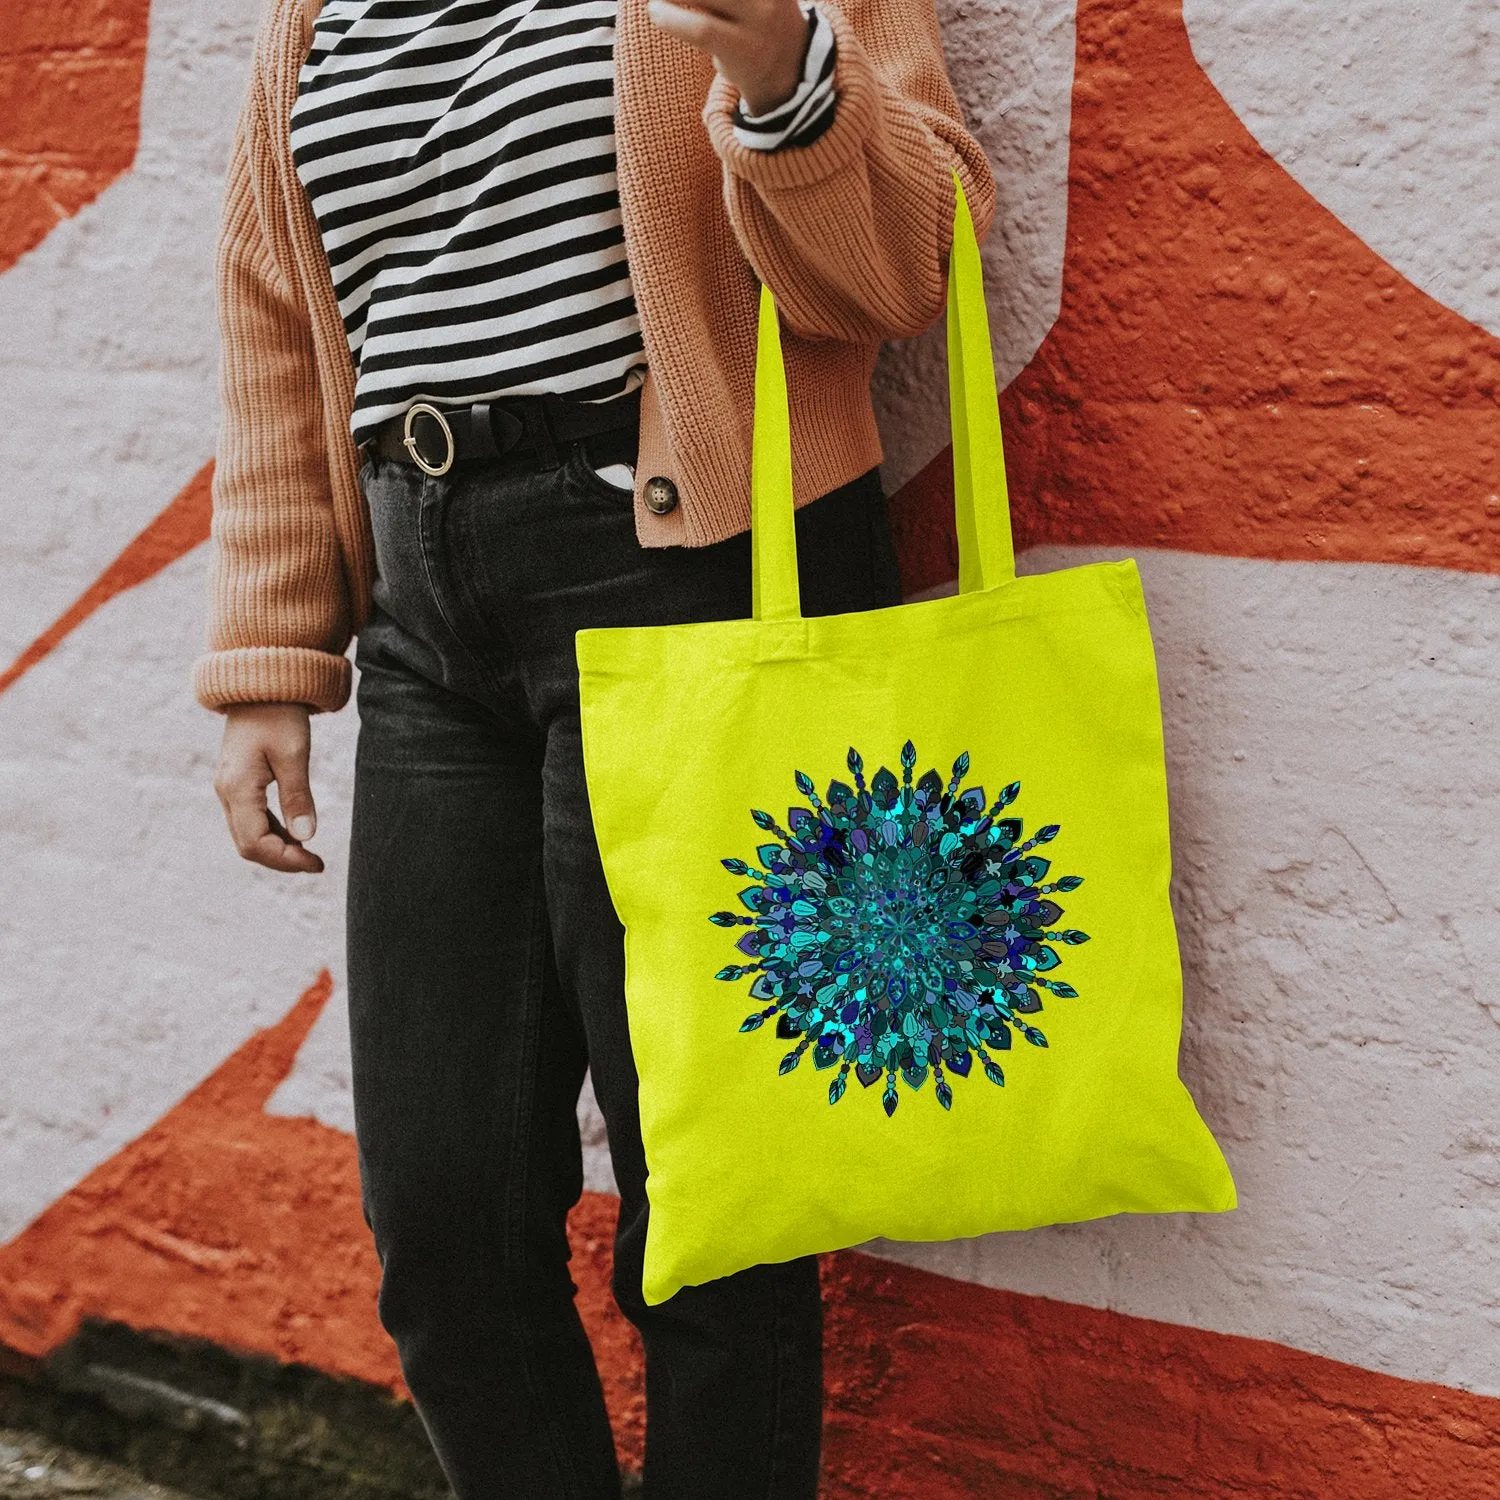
x,y
661,496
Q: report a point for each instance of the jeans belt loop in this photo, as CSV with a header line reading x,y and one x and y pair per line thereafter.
x,y
539,430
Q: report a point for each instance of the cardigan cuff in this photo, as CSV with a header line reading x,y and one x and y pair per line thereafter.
x,y
273,674
840,147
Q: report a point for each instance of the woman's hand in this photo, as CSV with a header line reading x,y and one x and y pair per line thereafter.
x,y
758,45
266,742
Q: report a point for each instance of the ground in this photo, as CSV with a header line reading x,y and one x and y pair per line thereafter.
x,y
33,1466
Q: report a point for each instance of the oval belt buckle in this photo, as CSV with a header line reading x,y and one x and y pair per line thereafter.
x,y
409,442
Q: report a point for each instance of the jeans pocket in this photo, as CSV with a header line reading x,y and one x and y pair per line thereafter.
x,y
582,473
394,496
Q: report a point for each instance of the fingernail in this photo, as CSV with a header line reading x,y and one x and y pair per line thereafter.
x,y
301,827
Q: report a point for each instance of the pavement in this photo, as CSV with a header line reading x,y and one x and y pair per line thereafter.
x,y
34,1466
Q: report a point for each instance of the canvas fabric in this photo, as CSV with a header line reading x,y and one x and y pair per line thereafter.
x,y
900,959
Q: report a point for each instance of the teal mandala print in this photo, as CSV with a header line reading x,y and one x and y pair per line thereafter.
x,y
900,930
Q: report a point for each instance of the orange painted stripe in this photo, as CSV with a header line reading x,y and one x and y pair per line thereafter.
x,y
229,1224
220,1221
173,533
70,109
939,1390
70,94
225,1223
1232,371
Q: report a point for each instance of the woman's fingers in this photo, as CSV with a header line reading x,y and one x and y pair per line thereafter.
x,y
748,13
265,743
293,791
702,28
257,834
289,853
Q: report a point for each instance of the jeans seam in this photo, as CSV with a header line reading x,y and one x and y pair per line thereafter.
x,y
438,582
435,506
520,1177
778,1336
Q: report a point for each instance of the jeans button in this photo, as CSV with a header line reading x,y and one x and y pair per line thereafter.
x,y
661,496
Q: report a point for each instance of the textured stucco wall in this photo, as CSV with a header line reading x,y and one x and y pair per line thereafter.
x,y
1337,846
1244,289
1236,370
136,951
1385,111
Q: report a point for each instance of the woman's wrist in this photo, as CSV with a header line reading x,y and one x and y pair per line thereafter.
x,y
808,111
782,87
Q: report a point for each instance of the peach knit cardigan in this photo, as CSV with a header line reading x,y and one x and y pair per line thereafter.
x,y
850,233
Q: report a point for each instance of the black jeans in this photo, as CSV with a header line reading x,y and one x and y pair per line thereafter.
x,y
485,968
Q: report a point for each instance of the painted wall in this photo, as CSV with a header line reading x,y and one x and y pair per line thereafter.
x,y
1245,293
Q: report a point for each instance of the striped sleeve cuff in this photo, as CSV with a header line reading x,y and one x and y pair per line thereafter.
x,y
809,112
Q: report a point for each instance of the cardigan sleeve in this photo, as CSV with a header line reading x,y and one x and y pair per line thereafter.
x,y
852,232
278,616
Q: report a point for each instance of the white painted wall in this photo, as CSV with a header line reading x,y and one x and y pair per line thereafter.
x,y
110,343
136,948
1336,830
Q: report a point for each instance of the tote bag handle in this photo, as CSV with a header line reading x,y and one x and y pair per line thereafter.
x,y
986,555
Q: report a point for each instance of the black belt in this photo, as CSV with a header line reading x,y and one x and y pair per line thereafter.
x,y
434,438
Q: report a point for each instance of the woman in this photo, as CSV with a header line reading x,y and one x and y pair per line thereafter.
x,y
488,277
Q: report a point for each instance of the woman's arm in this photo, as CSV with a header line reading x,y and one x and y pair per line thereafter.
x,y
852,232
278,606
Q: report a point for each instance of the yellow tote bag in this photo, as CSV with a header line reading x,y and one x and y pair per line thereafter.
x,y
899,956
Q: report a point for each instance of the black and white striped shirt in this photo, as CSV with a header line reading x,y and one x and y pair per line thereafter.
x,y
459,157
